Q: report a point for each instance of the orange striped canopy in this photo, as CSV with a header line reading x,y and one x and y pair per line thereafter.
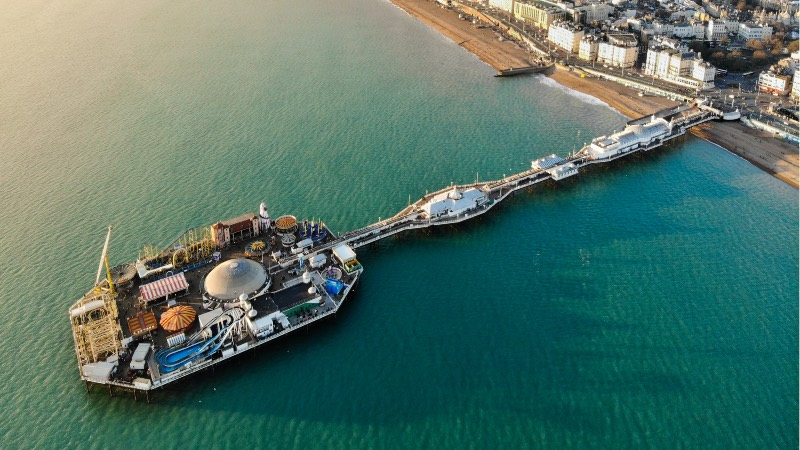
x,y
178,318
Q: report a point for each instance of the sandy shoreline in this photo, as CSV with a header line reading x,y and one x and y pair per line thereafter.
x,y
483,42
771,154
774,156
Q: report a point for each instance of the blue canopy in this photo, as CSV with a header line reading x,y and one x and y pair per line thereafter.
x,y
333,287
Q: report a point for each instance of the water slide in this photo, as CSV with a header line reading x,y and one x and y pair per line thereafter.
x,y
172,359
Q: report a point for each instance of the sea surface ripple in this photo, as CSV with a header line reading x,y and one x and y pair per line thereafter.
x,y
648,304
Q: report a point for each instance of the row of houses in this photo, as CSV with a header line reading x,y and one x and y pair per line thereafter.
x,y
767,11
542,13
617,49
683,20
667,59
713,30
573,28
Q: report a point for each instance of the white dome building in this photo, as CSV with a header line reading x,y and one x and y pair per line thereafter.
x,y
235,277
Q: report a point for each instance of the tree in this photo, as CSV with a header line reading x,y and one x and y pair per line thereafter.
x,y
760,55
755,44
725,39
717,56
741,6
735,64
696,46
794,46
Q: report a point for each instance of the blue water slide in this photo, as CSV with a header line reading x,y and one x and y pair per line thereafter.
x,y
173,359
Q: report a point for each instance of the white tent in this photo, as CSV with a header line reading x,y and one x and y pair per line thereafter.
x,y
344,253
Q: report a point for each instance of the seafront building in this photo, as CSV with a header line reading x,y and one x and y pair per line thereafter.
x,y
538,13
565,35
671,61
621,50
587,50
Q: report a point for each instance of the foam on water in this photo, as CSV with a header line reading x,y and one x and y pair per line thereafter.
x,y
586,98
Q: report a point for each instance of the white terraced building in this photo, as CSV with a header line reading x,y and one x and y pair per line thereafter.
x,y
621,50
594,11
587,50
670,61
565,35
715,30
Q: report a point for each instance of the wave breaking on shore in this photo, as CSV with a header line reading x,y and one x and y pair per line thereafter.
x,y
586,98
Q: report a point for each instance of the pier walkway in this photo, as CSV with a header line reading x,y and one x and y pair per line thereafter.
x,y
644,134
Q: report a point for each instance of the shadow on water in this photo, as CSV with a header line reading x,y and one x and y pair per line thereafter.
x,y
311,397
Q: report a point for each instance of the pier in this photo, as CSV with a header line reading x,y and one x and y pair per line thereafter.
x,y
242,304
640,135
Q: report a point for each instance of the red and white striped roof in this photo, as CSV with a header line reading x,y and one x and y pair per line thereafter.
x,y
163,287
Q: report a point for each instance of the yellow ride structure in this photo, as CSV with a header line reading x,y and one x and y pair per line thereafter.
x,y
95,327
191,246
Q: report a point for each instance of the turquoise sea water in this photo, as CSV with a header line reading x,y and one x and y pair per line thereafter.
x,y
650,304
